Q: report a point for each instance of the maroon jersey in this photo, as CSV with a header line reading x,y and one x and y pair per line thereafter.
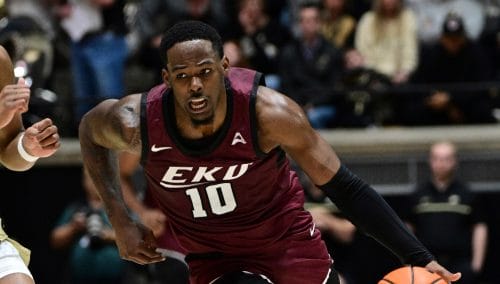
x,y
222,194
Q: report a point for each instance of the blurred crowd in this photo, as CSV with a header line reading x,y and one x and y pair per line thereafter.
x,y
348,63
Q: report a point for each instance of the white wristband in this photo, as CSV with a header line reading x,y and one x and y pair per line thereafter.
x,y
22,152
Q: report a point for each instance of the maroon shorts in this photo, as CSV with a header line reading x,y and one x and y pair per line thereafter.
x,y
299,259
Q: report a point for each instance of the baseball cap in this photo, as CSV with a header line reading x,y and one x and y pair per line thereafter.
x,y
453,25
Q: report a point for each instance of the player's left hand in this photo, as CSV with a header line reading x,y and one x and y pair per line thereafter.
x,y
435,267
41,139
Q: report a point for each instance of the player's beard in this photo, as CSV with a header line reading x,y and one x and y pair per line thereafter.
x,y
204,121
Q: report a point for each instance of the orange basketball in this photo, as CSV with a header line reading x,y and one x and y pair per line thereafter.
x,y
411,275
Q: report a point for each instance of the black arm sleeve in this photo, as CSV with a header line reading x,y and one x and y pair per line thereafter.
x,y
370,213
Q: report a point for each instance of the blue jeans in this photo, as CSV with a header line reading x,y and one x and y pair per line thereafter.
x,y
321,117
98,65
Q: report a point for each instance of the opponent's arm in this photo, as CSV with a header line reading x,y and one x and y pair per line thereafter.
x,y
111,127
13,98
282,123
12,105
22,151
19,150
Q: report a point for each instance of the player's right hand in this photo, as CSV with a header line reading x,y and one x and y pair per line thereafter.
x,y
435,267
137,243
14,98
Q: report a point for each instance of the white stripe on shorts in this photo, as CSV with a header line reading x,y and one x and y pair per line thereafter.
x,y
247,272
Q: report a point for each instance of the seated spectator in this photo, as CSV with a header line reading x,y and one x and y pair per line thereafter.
x,y
154,16
309,68
430,15
234,54
453,60
338,27
386,37
261,39
362,106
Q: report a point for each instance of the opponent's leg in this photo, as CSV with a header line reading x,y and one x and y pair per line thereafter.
x,y
16,278
12,268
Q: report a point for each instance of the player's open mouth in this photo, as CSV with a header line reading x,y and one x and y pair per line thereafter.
x,y
198,105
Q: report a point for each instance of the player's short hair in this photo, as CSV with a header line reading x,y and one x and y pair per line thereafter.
x,y
189,30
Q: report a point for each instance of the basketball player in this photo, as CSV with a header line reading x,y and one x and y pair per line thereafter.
x,y
19,150
213,147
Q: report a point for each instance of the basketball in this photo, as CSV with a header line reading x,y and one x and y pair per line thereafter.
x,y
411,275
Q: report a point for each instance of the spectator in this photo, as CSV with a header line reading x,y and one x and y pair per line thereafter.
x,y
446,215
386,37
98,49
454,59
309,68
154,16
338,26
430,14
234,54
261,38
361,107
85,232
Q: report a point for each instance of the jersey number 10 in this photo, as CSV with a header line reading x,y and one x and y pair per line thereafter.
x,y
220,197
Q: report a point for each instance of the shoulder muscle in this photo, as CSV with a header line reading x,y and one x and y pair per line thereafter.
x,y
115,124
282,123
279,117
